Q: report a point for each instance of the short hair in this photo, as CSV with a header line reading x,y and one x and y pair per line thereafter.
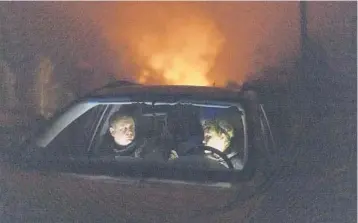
x,y
124,112
117,116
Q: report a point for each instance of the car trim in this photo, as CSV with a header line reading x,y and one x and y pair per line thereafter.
x,y
128,180
63,121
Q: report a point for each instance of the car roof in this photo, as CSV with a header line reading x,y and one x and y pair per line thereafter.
x,y
162,91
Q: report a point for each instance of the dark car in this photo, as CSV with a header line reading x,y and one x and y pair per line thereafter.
x,y
185,141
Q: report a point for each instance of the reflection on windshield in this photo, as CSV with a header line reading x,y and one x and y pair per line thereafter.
x,y
176,133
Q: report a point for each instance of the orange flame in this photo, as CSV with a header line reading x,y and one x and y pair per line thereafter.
x,y
170,45
183,42
183,55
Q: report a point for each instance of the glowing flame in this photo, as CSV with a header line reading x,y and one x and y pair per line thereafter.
x,y
183,55
181,43
172,47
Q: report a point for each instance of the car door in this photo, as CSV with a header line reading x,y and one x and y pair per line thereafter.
x,y
57,184
45,183
69,145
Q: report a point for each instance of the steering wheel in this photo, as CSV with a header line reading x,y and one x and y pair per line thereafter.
x,y
213,150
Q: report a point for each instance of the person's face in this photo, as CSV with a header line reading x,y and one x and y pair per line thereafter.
x,y
215,140
123,131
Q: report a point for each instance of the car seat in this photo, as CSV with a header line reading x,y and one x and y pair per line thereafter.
x,y
185,127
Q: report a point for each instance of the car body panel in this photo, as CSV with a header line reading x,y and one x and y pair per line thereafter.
x,y
57,197
46,195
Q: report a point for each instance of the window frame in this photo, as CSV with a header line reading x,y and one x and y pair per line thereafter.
x,y
91,124
110,106
91,167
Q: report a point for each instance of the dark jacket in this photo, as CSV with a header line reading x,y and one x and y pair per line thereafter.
x,y
133,149
149,148
236,162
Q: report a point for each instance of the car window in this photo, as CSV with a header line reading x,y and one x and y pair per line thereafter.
x,y
76,137
174,132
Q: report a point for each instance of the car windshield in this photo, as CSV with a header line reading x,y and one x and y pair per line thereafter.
x,y
198,134
211,135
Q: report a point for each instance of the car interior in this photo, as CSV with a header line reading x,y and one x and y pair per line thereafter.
x,y
182,126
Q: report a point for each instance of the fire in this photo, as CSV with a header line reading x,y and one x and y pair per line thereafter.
x,y
183,55
196,43
171,46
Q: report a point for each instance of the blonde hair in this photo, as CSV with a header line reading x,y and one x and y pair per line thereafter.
x,y
219,127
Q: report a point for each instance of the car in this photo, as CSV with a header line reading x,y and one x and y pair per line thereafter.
x,y
206,136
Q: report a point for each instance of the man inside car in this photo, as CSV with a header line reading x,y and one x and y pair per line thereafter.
x,y
127,141
122,129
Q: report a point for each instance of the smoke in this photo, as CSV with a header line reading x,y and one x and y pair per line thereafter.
x,y
158,42
197,43
72,42
169,46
